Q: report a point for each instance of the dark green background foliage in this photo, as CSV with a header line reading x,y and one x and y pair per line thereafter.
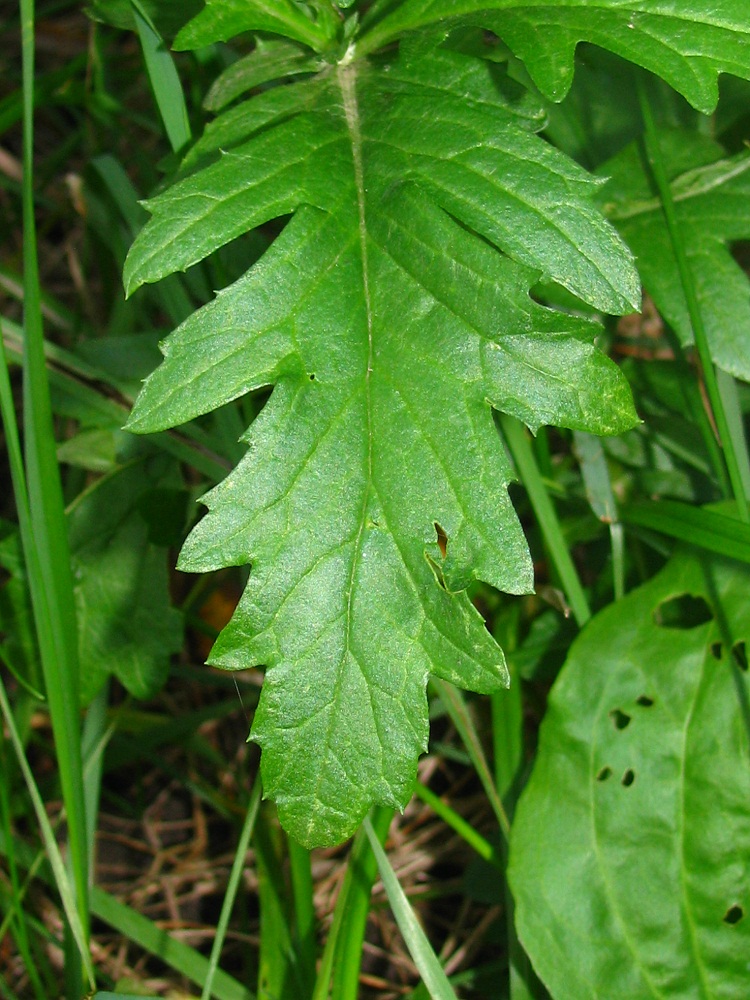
x,y
392,258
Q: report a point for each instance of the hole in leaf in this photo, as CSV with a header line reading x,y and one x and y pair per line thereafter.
x,y
739,652
442,539
628,778
683,612
604,773
620,719
644,701
716,650
311,376
734,914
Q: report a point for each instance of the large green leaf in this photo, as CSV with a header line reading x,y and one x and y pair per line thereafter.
x,y
127,627
390,326
711,193
686,42
631,844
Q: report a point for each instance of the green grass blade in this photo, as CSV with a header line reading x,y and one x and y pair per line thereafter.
x,y
342,936
46,543
304,911
735,425
465,830
356,906
697,525
232,886
596,478
16,917
177,955
456,707
164,80
66,376
95,736
419,947
64,886
507,712
277,970
523,458
728,440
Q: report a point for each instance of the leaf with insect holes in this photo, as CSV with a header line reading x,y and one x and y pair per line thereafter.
x,y
391,316
630,845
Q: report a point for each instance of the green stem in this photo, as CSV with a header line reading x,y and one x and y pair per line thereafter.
x,y
304,911
457,823
342,956
232,886
658,169
528,471
64,887
456,707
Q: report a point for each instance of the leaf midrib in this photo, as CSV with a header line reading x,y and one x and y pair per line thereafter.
x,y
346,76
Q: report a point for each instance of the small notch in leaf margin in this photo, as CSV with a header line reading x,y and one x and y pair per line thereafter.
x,y
439,549
442,539
684,611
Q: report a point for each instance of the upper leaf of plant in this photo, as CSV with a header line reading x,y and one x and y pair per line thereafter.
x,y
391,315
687,43
630,843
711,193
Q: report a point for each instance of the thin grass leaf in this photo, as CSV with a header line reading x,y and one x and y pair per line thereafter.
x,y
70,375
687,279
696,525
344,938
231,891
177,955
735,425
458,824
44,536
455,705
164,80
300,871
16,916
62,880
356,906
419,947
546,515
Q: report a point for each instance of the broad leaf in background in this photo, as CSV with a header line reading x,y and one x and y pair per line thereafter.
x,y
389,330
630,846
711,193
127,626
686,43
19,649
